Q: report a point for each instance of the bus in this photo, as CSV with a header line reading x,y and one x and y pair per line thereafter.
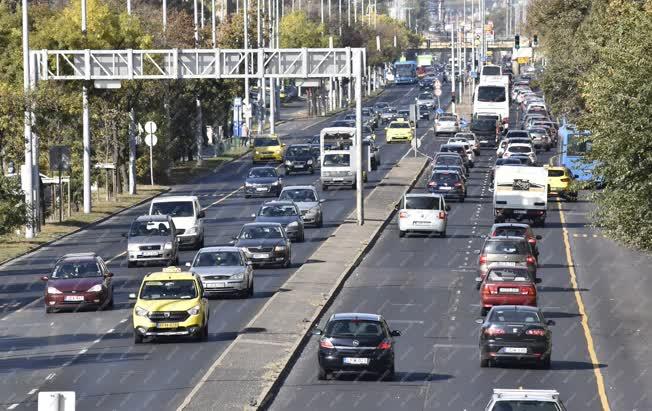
x,y
492,98
574,147
405,72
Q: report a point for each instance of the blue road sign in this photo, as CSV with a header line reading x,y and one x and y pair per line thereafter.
x,y
440,111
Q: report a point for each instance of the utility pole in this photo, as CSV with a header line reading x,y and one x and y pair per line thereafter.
x,y
453,67
28,174
165,15
359,194
473,66
214,24
86,134
199,118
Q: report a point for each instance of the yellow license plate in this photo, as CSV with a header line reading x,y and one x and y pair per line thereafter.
x,y
167,325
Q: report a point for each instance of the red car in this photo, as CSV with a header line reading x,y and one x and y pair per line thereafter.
x,y
79,280
507,285
517,230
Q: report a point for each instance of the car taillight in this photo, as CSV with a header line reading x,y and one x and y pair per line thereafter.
x,y
565,180
458,184
402,214
431,184
530,259
528,290
483,259
442,215
326,344
385,345
506,120
506,154
489,289
494,331
532,240
537,332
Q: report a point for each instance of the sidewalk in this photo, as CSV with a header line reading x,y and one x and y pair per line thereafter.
x,y
239,380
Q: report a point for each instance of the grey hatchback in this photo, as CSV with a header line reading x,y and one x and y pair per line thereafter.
x,y
152,238
506,251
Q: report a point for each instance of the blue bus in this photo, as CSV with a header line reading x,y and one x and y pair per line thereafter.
x,y
574,147
405,72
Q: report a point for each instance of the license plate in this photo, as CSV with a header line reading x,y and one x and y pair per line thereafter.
x,y
356,361
420,222
150,253
338,179
509,290
299,166
520,212
74,298
214,284
516,350
261,255
261,189
167,325
507,263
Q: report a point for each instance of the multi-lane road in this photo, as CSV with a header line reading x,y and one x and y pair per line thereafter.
x,y
92,353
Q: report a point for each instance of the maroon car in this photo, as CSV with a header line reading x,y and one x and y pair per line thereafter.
x,y
79,281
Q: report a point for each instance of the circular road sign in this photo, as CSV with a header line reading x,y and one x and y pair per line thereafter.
x,y
438,92
437,84
150,127
151,140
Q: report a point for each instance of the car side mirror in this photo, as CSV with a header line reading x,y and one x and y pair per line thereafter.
x,y
476,252
397,207
478,279
232,242
317,331
187,264
132,296
201,214
124,235
323,200
551,322
395,333
538,280
447,208
249,263
538,237
108,275
177,232
44,278
479,321
253,216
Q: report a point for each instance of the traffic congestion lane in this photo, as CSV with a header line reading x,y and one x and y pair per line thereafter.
x,y
425,287
227,316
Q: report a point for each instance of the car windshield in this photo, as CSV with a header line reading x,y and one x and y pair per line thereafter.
x,y
266,142
451,149
518,134
447,160
527,405
510,315
537,131
277,210
555,173
353,328
149,229
169,290
260,232
491,71
422,203
300,195
262,172
508,274
217,259
446,178
173,208
447,118
519,149
344,123
505,247
389,110
337,160
298,151
76,269
399,125
425,96
491,94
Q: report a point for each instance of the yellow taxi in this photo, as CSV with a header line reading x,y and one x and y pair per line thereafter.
x,y
170,303
561,182
399,130
267,148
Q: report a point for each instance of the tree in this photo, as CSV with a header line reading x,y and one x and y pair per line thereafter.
x,y
297,31
13,212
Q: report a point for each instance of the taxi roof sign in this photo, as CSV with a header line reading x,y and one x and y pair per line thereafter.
x,y
171,269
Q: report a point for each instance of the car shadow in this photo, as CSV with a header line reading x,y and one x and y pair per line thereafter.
x,y
557,314
560,289
399,377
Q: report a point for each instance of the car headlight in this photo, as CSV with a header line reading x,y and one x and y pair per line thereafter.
x,y
257,152
168,246
238,276
95,289
275,183
132,248
141,312
194,310
248,184
280,248
191,230
293,224
52,290
309,162
288,163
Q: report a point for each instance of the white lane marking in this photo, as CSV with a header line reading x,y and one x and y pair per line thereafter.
x,y
12,406
124,320
223,198
261,342
116,257
50,376
32,391
110,331
83,351
96,341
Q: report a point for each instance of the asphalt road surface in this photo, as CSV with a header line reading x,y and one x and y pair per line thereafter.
x,y
92,353
425,288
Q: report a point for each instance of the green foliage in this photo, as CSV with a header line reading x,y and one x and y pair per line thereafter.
x,y
598,71
297,31
13,212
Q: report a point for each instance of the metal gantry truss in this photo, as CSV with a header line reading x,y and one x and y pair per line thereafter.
x,y
116,65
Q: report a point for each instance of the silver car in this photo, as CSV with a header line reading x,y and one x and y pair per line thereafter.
x,y
519,399
152,238
308,201
223,270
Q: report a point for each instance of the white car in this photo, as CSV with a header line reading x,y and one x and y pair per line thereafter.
x,y
447,123
468,149
521,148
187,215
423,212
518,399
472,139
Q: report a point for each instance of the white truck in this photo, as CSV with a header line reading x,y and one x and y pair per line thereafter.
x,y
338,157
521,193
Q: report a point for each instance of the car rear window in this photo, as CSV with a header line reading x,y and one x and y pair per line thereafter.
x,y
173,208
519,149
353,328
517,134
422,203
508,274
505,247
399,125
449,178
511,315
555,173
509,232
516,405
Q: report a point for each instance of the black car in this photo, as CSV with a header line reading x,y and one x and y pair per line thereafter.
x,y
442,159
515,332
286,213
449,183
263,181
356,342
452,148
424,112
299,157
344,123
265,244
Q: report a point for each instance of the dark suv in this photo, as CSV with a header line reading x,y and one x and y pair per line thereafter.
x,y
299,157
356,342
449,183
454,148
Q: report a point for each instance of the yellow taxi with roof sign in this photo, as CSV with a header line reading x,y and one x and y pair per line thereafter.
x,y
399,130
170,303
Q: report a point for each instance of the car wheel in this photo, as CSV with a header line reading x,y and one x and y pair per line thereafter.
x,y
312,170
324,187
250,290
287,172
286,263
401,233
204,333
545,363
131,264
302,237
353,186
483,310
442,234
461,199
138,339
484,362
49,310
323,374
320,222
201,243
109,305
389,374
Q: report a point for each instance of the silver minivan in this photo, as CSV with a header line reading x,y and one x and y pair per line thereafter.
x,y
152,238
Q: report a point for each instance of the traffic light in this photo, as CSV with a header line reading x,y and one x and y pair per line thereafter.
x,y
535,40
517,41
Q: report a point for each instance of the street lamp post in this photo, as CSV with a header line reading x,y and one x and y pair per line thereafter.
x,y
28,183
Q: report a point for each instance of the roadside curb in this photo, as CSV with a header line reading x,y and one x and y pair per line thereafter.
x,y
267,396
85,227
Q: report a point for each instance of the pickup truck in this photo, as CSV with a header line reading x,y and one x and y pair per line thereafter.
x,y
521,193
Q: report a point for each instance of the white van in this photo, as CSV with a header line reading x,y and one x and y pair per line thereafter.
x,y
492,98
187,216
